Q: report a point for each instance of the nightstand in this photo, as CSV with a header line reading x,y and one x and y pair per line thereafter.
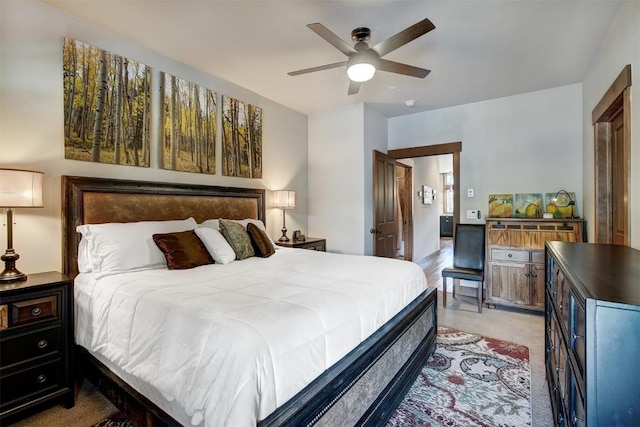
x,y
313,243
36,344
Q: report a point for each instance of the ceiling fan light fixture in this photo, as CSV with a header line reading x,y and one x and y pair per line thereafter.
x,y
361,72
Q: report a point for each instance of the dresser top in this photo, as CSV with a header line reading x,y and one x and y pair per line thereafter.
x,y
603,272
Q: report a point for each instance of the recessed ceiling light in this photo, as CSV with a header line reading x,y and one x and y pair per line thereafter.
x,y
410,102
392,87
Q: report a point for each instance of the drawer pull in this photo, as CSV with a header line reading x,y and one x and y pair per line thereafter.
x,y
37,311
42,344
510,255
41,379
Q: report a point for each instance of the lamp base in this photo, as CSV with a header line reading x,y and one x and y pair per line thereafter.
x,y
284,237
10,272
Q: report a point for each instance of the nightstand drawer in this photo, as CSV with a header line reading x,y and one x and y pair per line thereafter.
x,y
27,346
34,310
30,382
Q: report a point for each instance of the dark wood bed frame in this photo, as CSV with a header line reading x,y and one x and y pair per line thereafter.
x,y
363,388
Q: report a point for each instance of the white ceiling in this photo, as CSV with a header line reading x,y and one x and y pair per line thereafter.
x,y
480,49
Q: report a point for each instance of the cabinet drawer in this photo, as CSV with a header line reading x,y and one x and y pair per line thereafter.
x,y
28,311
30,382
537,257
27,346
577,332
509,255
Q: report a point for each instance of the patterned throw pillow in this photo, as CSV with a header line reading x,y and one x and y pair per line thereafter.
x,y
182,250
238,238
261,243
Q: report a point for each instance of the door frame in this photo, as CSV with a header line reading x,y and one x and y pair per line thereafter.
x,y
407,228
617,97
454,148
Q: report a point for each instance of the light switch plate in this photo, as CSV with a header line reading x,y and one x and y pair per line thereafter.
x,y
471,214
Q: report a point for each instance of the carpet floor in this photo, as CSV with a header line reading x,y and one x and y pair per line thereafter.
x,y
470,381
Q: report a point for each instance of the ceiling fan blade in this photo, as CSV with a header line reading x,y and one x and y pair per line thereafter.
x,y
319,68
399,68
403,37
329,36
354,87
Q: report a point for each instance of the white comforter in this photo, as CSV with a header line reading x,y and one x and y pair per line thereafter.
x,y
230,343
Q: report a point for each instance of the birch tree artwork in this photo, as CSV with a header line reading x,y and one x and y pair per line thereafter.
x,y
106,106
188,117
241,139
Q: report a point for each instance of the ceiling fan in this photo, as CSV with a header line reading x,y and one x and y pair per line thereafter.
x,y
364,60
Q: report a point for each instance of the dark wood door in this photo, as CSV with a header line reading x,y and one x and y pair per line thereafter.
x,y
384,205
618,183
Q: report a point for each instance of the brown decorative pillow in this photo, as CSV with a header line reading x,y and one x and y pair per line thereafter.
x,y
182,250
238,238
261,243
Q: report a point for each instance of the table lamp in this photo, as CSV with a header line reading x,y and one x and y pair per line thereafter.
x,y
18,189
284,199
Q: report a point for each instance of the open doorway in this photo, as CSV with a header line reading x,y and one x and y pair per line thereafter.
x,y
433,151
447,192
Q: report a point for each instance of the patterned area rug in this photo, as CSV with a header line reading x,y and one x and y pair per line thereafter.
x,y
469,380
115,420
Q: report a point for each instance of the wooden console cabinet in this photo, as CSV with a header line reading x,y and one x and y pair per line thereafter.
x,y
515,258
592,334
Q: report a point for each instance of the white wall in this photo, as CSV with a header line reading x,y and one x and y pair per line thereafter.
x,y
31,126
426,218
524,143
336,178
375,138
621,46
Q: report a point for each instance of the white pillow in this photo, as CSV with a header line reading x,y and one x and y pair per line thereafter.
x,y
211,223
220,250
85,263
129,245
215,223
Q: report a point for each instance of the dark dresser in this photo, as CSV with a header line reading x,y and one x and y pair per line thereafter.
x,y
592,337
36,343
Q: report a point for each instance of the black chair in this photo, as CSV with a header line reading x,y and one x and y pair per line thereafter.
x,y
468,260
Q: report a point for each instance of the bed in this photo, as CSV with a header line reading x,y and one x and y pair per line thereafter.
x,y
335,383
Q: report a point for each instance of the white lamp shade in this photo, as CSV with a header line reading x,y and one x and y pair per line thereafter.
x,y
284,199
361,72
20,188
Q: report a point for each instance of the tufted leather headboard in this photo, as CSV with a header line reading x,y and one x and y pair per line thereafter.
x,y
87,200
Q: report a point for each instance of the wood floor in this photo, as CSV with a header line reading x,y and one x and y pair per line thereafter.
x,y
434,263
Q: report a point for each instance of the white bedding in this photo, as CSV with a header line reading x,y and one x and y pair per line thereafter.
x,y
230,343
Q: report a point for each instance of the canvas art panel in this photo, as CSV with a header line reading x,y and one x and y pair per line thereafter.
x,y
561,204
188,126
106,106
241,139
528,205
500,205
